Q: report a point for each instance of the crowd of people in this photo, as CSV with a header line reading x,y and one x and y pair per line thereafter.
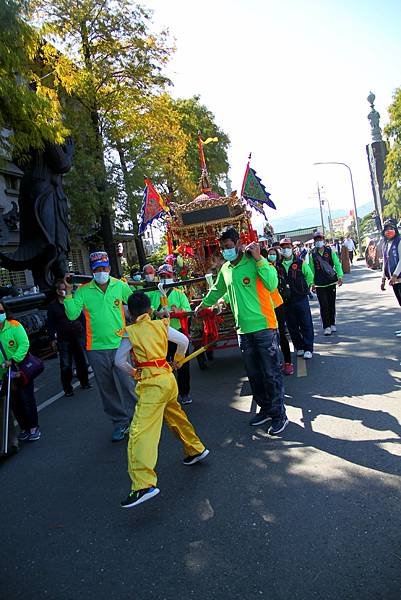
x,y
137,353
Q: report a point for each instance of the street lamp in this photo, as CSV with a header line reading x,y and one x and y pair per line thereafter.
x,y
332,162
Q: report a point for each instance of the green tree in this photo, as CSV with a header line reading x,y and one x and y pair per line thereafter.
x,y
392,177
117,61
29,105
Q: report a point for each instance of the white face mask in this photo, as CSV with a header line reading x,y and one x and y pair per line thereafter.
x,y
149,277
286,252
102,277
319,244
165,280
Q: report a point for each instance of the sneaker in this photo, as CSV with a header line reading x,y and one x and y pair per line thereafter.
x,y
119,433
90,370
186,399
333,329
288,369
300,352
278,425
260,418
23,435
307,355
327,331
139,496
69,393
191,460
86,386
34,435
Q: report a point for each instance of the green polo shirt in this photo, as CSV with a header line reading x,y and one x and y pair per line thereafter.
x,y
248,285
15,343
104,312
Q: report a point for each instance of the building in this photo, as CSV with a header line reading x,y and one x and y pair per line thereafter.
x,y
300,235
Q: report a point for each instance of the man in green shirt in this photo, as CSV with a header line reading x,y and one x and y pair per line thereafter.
x,y
327,273
248,279
298,278
102,301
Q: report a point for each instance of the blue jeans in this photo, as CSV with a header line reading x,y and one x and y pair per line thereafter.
x,y
299,322
261,354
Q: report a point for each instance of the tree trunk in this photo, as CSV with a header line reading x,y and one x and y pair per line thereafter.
x,y
140,251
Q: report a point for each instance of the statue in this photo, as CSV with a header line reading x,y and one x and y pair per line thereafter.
x,y
374,118
43,211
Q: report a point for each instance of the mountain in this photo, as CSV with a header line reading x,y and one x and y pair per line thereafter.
x,y
310,217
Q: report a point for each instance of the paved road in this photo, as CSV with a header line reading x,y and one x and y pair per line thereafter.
x,y
315,514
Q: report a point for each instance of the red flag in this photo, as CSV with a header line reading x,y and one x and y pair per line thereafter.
x,y
153,206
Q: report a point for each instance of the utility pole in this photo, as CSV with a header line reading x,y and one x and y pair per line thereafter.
x,y
320,206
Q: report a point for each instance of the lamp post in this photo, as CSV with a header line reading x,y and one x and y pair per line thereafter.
x,y
332,162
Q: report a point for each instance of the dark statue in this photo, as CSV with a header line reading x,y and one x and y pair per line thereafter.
x,y
43,216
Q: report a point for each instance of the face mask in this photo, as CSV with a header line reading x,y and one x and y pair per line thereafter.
x,y
149,277
319,244
2,317
389,234
102,277
167,280
61,293
230,253
271,257
286,252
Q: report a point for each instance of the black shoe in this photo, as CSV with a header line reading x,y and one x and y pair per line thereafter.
x,y
259,419
139,496
86,386
191,460
278,425
69,393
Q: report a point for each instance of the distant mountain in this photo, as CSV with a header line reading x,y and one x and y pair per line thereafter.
x,y
310,217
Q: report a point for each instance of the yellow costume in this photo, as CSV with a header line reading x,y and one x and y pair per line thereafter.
x,y
157,399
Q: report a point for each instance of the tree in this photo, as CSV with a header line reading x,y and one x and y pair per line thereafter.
x,y
29,106
117,62
392,177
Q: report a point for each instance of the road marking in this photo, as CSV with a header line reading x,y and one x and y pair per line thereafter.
x,y
50,401
301,367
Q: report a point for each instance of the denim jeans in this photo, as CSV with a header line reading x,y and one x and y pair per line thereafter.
x,y
68,350
300,325
260,351
23,404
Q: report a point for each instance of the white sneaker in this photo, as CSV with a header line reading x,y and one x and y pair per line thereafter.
x,y
327,331
300,352
307,355
333,329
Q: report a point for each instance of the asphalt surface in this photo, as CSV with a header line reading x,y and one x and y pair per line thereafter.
x,y
314,514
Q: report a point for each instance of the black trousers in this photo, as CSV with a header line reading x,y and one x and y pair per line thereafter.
x,y
397,292
183,374
23,404
284,343
327,302
69,350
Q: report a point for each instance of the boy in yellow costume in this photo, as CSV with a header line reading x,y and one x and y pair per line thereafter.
x,y
157,392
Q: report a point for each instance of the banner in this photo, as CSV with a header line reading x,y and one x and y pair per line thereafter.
x,y
153,206
254,190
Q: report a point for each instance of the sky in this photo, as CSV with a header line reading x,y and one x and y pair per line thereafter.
x,y
288,80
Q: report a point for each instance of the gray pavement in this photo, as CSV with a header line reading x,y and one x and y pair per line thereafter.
x,y
314,514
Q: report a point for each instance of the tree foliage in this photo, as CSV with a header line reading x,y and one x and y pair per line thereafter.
x,y
393,161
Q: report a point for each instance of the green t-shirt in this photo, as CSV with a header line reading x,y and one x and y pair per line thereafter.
x,y
104,312
248,285
15,343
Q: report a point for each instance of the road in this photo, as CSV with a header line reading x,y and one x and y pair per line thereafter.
x,y
313,514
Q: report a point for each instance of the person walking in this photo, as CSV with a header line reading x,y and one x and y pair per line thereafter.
x,y
298,279
327,274
68,338
14,346
157,397
392,259
345,258
102,301
350,245
273,256
249,279
177,302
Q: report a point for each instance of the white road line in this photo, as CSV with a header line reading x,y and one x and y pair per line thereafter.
x,y
50,401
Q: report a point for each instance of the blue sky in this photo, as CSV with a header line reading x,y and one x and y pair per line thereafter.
x,y
288,80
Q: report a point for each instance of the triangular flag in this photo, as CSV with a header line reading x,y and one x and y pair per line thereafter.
x,y
253,188
153,206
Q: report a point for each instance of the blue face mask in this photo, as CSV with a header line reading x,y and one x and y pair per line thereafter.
x,y
2,317
319,244
287,252
101,277
230,254
272,257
